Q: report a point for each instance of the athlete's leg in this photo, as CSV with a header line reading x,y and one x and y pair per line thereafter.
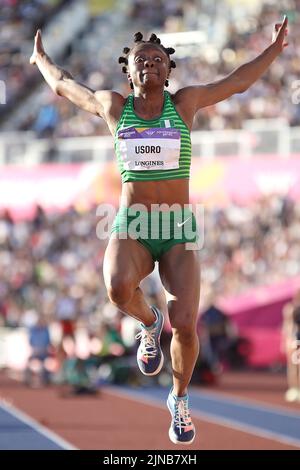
x,y
126,263
292,371
180,274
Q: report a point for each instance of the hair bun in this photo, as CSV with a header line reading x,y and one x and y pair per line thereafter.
x,y
153,37
138,37
170,50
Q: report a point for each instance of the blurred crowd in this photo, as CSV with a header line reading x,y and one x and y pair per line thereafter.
x,y
53,263
245,33
19,21
250,246
51,267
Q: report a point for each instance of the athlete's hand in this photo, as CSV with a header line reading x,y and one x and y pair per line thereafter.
x,y
280,33
38,47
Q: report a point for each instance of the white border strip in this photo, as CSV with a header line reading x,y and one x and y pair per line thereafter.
x,y
210,418
36,426
250,403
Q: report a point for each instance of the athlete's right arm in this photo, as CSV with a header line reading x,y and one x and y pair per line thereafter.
x,y
63,84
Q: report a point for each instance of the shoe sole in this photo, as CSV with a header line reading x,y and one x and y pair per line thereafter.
x,y
174,440
172,436
157,371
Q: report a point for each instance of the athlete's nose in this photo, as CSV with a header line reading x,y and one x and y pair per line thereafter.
x,y
148,63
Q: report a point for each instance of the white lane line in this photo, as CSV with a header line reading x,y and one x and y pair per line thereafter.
x,y
210,418
36,426
250,403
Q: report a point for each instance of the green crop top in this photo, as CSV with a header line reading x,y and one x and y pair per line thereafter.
x,y
152,149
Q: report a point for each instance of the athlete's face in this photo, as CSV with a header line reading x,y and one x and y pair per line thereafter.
x,y
148,66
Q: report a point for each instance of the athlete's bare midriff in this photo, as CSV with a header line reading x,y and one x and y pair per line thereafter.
x,y
155,192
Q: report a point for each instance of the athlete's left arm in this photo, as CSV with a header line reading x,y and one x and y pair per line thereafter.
x,y
240,79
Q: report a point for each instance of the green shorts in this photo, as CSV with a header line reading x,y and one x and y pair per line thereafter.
x,y
158,231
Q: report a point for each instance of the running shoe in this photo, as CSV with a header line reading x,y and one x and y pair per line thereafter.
x,y
182,430
150,357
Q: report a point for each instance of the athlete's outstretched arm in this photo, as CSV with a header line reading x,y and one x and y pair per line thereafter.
x,y
63,84
240,79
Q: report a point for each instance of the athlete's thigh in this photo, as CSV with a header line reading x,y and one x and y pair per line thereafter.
x,y
179,270
128,259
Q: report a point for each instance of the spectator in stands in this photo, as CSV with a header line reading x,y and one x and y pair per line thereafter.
x,y
291,346
47,120
218,336
40,343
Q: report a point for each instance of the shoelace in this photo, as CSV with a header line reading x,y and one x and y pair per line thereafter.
x,y
148,347
182,415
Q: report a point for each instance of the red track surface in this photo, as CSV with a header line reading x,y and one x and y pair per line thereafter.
x,y
107,422
256,386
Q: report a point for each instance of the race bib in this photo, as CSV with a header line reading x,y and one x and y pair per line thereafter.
x,y
149,148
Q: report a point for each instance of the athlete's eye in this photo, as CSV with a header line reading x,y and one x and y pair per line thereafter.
x,y
138,59
158,59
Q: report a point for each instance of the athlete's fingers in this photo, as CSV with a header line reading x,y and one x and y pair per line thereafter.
x,y
283,25
38,46
39,43
285,21
280,31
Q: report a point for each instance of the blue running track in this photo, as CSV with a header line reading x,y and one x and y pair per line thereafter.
x,y
20,432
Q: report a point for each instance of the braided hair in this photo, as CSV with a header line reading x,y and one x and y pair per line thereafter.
x,y
138,39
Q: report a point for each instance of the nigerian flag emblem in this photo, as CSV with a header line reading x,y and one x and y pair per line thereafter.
x,y
166,123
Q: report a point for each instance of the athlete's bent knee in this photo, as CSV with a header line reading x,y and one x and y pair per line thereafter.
x,y
185,335
120,290
184,327
182,318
